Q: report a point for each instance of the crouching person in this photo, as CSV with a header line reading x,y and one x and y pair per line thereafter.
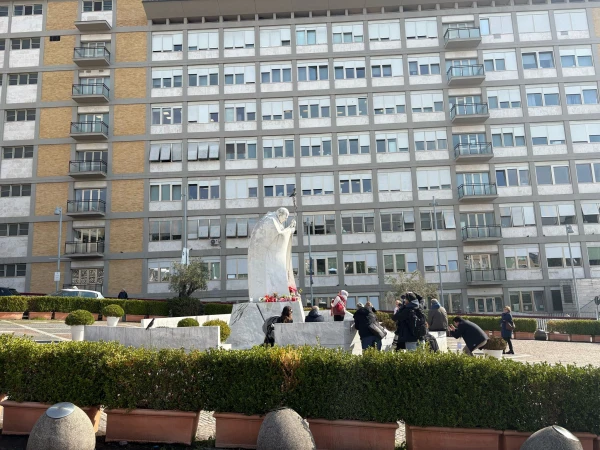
x,y
472,334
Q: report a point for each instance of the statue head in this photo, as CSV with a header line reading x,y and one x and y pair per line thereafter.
x,y
282,214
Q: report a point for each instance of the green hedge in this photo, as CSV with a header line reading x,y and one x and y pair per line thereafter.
x,y
157,308
316,382
575,326
492,323
211,309
13,304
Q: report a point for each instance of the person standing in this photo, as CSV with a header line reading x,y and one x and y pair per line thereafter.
x,y
507,325
437,318
369,330
412,325
269,328
338,306
314,316
123,295
472,334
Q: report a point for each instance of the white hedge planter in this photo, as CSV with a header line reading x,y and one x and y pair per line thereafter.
x,y
112,321
493,353
77,332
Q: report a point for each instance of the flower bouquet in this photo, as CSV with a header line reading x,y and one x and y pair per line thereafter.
x,y
292,296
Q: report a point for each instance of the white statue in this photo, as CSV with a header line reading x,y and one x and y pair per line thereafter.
x,y
270,256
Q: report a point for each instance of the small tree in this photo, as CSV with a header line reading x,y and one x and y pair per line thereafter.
x,y
185,280
412,282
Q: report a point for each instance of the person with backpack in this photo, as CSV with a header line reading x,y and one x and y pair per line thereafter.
x,y
412,324
338,306
269,327
369,330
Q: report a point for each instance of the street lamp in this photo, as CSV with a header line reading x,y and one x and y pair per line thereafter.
x,y
310,262
437,244
569,232
58,211
185,254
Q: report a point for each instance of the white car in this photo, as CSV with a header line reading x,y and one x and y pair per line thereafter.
x,y
74,292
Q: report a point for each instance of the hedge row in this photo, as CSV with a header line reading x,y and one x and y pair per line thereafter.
x,y
575,326
492,323
316,382
211,309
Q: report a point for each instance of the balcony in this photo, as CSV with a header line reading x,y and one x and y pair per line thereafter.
x,y
473,152
481,234
90,93
469,113
465,75
92,26
91,56
477,192
485,276
84,249
457,38
87,169
89,131
90,208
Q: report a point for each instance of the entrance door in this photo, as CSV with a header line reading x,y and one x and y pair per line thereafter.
x,y
557,305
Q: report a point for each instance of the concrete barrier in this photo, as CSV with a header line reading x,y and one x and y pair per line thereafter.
x,y
325,334
171,322
328,317
190,338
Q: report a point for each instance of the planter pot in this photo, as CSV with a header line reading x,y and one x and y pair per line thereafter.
x,y
524,335
353,434
236,430
77,332
134,317
147,425
11,315
512,440
493,353
558,337
112,321
19,418
587,440
40,315
581,338
60,315
436,438
596,339
597,444
93,412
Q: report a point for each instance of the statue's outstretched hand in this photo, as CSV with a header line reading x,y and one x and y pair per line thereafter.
x,y
293,224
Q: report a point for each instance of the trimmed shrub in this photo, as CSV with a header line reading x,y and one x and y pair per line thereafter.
x,y
591,327
80,317
189,322
211,309
186,306
492,323
113,311
495,343
157,308
225,331
42,304
386,320
136,307
13,303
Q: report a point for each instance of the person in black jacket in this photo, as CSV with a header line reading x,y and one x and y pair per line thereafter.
x,y
406,336
123,294
314,316
369,330
472,334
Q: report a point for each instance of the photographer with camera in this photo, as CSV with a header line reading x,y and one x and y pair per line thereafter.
x,y
411,322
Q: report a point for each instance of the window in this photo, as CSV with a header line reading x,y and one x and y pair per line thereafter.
x,y
240,227
358,222
557,255
433,179
203,113
356,183
315,146
167,42
313,184
392,143
277,109
491,24
240,112
314,108
557,214
360,263
553,174
427,102
504,98
18,79
99,5
13,270
516,216
351,106
537,22
512,176
203,189
471,142
276,73
421,28
550,134
394,180
572,20
213,268
590,212
444,220
240,149
323,265
3,11
588,173
389,104
448,260
203,40
313,71
202,151
204,228
311,35
242,188
165,230
203,76
477,220
28,10
576,56
93,85
240,74
538,60
384,31
237,268
347,33
25,44
349,69
473,181
519,258
542,96
166,115
20,115
2,44
159,271
400,262
353,145
17,152
166,78
585,132
431,140
523,301
93,118
165,151
278,148
396,221
319,224
424,65
239,38
14,229
581,94
594,256
500,61
275,37
165,192
386,67
15,190
279,186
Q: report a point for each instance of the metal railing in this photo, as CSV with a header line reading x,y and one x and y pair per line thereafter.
x,y
87,166
90,89
473,149
86,206
489,231
474,190
476,70
474,275
91,53
461,33
89,127
82,248
469,109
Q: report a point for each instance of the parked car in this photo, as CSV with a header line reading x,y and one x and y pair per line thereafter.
x,y
5,291
74,292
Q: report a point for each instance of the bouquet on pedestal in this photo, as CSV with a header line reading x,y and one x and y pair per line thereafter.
x,y
293,296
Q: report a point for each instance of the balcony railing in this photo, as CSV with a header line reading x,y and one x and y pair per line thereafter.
x,y
465,72
86,206
87,128
477,190
473,150
484,232
96,89
86,167
461,37
89,53
485,275
84,248
468,110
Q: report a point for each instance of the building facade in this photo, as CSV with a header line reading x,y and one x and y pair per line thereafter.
x,y
119,111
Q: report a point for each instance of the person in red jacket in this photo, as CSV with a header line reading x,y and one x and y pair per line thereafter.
x,y
338,306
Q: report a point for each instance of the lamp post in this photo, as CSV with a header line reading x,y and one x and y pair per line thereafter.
x,y
185,254
58,211
310,263
437,244
569,232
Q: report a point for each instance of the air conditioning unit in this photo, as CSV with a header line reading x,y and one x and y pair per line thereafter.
x,y
215,242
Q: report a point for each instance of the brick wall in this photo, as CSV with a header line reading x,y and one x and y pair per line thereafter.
x,y
61,15
127,196
596,18
42,277
128,157
131,47
60,52
126,235
56,86
130,83
130,13
55,123
53,160
129,120
50,195
125,274
45,238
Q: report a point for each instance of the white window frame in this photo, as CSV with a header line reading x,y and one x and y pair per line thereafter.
x,y
307,104
392,103
238,38
281,186
167,42
203,40
448,260
270,69
233,109
172,110
570,20
543,91
563,250
165,152
347,33
317,184
589,129
427,101
275,37
553,132
277,109
174,75
406,222
433,139
245,188
387,67
495,24
364,182
384,31
201,74
362,262
577,52
553,167
504,98
358,144
508,171
425,65
315,146
433,179
533,22
318,30
237,267
351,69
351,106
392,142
211,188
274,143
307,66
174,191
521,215
424,28
239,74
521,257
249,149
394,180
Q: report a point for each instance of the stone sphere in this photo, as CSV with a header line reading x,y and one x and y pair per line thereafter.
x,y
285,429
552,438
540,335
62,427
